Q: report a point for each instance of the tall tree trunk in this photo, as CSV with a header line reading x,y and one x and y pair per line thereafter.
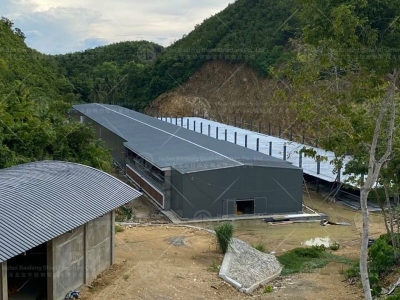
x,y
374,169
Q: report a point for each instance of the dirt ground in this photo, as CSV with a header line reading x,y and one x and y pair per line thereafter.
x,y
168,262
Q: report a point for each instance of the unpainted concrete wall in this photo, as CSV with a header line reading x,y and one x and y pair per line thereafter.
x,y
68,262
71,267
99,245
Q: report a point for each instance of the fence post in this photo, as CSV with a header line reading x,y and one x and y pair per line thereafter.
x,y
242,123
226,134
235,137
316,143
259,127
284,151
258,144
216,133
300,159
209,129
182,122
170,118
201,127
187,123
269,129
194,126
303,139
280,131
318,166
176,121
251,125
234,120
245,140
270,148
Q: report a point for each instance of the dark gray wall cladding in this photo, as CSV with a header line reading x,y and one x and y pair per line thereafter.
x,y
42,200
207,191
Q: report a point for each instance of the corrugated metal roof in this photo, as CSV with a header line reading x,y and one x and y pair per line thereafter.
x,y
42,200
167,145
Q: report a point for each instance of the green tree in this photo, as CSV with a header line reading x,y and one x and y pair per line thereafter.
x,y
344,81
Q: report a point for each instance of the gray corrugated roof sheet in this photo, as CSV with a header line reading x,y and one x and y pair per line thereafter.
x,y
42,200
167,145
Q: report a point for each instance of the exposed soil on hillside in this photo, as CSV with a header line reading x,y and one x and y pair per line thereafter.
x,y
168,262
222,90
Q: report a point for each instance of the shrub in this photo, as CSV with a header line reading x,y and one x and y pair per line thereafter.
x,y
353,271
119,228
381,256
260,247
268,289
335,246
224,233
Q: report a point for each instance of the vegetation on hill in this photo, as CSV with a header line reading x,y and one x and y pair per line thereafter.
x,y
133,74
34,104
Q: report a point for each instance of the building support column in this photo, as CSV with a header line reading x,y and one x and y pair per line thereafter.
x,y
167,189
112,235
50,270
3,281
85,254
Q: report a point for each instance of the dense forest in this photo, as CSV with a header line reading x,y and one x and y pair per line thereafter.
x,y
133,74
34,104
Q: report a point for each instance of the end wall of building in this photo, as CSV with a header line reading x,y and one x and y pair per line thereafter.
x,y
77,257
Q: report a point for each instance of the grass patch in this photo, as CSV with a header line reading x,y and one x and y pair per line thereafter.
x,y
268,289
126,276
260,247
224,232
119,228
306,260
214,267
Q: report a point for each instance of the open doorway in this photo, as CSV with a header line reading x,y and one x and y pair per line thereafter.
x,y
27,275
245,207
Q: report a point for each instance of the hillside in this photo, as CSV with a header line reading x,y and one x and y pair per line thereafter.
x,y
222,90
133,74
34,104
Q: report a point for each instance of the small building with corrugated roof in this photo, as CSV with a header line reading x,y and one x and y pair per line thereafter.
x,y
191,174
56,227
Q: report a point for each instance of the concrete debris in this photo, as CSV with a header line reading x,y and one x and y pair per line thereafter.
x,y
249,268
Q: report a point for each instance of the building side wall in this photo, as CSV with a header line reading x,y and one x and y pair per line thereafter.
x,y
177,198
112,141
78,257
68,262
99,235
275,191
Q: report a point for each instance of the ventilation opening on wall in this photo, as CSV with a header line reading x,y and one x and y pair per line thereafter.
x,y
245,207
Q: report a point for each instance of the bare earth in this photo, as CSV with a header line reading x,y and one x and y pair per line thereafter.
x,y
168,262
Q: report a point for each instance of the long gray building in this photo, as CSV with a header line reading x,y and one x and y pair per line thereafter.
x,y
56,227
191,174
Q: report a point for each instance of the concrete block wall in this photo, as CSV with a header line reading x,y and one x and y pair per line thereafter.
x,y
99,238
76,258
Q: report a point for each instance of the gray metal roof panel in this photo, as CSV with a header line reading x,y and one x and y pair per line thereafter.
x,y
42,200
168,145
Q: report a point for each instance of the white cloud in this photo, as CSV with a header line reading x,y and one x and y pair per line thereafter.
x,y
70,25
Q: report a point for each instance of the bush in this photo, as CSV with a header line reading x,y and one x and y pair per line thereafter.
x,y
354,271
119,228
381,256
224,233
335,246
268,289
260,247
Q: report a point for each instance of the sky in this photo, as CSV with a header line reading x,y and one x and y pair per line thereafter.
x,y
63,26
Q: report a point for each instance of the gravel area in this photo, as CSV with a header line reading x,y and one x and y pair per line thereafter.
x,y
250,266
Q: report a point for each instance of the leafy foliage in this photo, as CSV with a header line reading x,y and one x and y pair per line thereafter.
x,y
224,233
247,31
34,104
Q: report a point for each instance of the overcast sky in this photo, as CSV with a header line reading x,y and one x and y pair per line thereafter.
x,y
62,26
